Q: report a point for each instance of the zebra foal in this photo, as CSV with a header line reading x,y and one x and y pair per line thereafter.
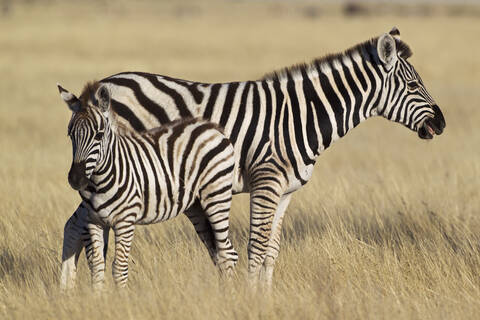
x,y
126,178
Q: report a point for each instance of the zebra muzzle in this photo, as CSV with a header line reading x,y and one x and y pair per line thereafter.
x,y
77,177
432,126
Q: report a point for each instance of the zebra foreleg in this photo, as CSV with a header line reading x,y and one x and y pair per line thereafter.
x,y
273,249
267,188
106,232
95,249
198,218
123,242
73,234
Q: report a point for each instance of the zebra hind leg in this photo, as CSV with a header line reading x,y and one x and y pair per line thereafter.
x,y
202,226
74,232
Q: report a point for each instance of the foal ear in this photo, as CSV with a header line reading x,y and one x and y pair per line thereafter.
x,y
395,33
103,98
70,99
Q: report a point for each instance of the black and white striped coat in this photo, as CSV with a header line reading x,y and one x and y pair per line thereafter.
x,y
126,178
280,124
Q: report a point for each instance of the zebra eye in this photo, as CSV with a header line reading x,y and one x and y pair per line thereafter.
x,y
99,136
412,85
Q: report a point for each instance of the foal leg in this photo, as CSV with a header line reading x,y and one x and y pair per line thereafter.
x,y
216,202
76,236
123,243
95,249
202,226
74,233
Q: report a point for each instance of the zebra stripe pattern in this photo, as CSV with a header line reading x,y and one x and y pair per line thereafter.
x,y
280,124
126,178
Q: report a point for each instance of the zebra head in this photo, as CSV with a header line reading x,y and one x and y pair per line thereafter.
x,y
406,99
89,130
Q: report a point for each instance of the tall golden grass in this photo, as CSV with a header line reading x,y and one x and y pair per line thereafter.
x,y
389,226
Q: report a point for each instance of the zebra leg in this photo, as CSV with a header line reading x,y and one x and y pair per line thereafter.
x,y
202,226
123,242
74,232
95,252
216,206
273,249
106,232
267,186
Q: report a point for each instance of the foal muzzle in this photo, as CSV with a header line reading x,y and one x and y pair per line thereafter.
x,y
77,177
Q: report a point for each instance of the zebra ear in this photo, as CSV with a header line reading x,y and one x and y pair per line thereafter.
x,y
103,98
387,51
70,99
395,33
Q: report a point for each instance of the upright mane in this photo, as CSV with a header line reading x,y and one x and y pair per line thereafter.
x,y
87,97
367,50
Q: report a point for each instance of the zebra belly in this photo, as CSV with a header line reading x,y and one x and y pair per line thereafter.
x,y
109,215
160,215
241,181
165,208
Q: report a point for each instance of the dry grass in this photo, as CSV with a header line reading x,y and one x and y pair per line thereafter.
x,y
389,226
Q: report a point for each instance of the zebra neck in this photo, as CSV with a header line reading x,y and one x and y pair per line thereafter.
x,y
330,98
129,153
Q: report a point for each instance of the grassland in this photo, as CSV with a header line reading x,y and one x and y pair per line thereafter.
x,y
389,226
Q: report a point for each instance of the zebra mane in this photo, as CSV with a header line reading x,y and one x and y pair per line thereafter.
x,y
367,49
403,49
88,100
87,97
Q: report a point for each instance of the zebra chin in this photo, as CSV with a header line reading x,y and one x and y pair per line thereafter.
x,y
76,176
432,126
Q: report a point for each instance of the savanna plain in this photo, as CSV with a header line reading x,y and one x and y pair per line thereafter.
x,y
388,227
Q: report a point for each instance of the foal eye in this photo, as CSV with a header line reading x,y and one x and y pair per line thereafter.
x,y
412,85
99,136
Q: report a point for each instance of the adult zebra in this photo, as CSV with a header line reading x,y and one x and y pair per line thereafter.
x,y
127,178
278,125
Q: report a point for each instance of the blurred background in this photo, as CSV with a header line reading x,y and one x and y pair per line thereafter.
x,y
388,226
